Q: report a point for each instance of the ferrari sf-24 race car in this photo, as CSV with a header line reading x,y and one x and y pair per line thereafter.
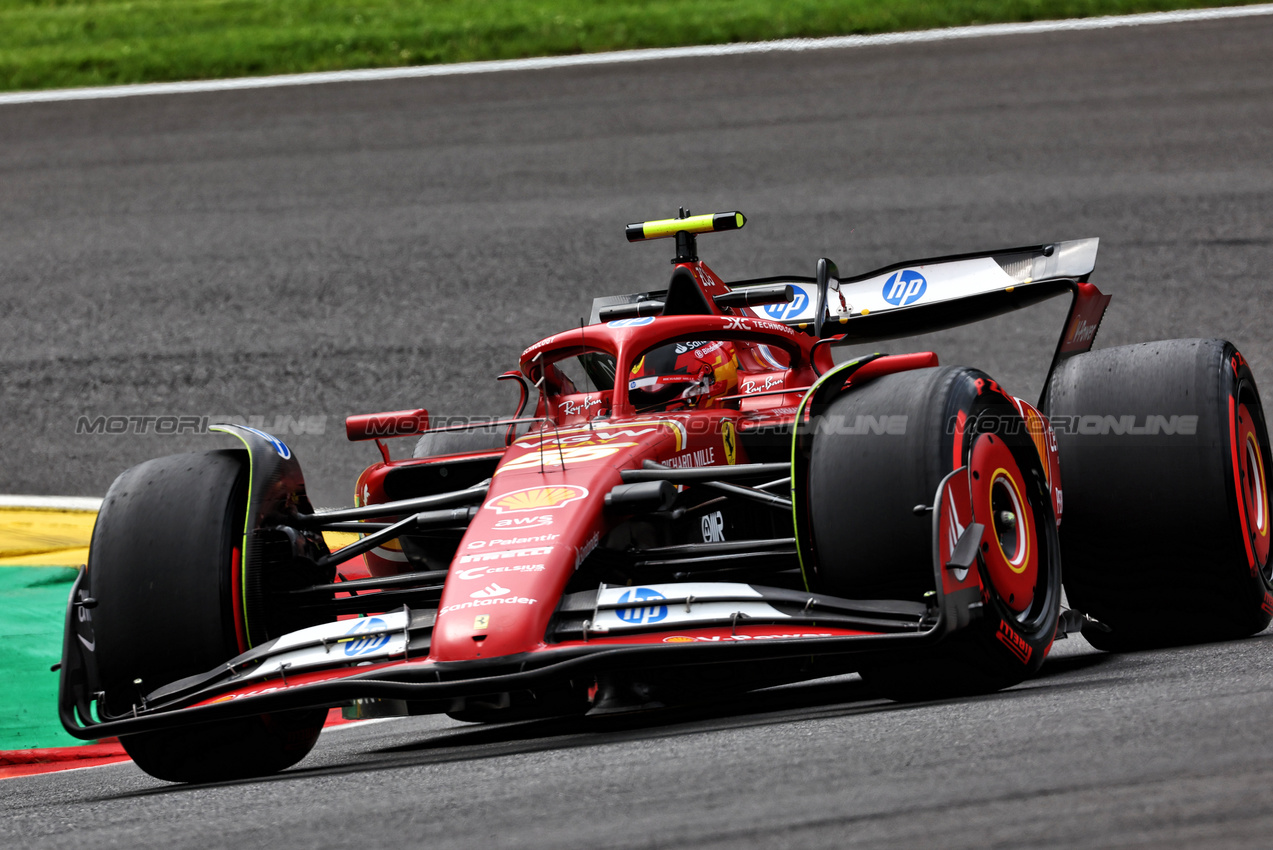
x,y
693,499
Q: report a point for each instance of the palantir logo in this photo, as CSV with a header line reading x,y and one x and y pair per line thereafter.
x,y
644,614
790,310
363,643
905,287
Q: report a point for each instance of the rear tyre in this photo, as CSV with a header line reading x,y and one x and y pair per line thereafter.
x,y
162,566
1164,449
867,474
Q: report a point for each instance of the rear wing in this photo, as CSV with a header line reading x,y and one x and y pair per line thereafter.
x,y
922,296
916,297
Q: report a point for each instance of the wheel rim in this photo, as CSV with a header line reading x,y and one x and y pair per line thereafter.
x,y
1009,530
999,502
1253,485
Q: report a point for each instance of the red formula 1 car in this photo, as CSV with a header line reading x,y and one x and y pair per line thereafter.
x,y
694,498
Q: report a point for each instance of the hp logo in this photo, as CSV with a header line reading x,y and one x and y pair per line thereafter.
x,y
364,643
646,614
790,310
630,323
904,287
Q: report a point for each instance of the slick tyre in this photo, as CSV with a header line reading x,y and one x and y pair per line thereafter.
x,y
864,485
1164,452
163,568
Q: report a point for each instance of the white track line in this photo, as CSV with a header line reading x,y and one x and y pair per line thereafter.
x,y
52,503
357,724
791,45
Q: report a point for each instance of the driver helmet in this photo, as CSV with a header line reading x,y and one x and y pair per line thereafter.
x,y
691,373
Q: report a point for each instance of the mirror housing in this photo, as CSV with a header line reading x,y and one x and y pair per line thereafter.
x,y
396,423
826,275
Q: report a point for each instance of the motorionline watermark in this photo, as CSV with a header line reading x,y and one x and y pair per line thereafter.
x,y
1103,425
173,424
438,423
778,421
1086,424
891,424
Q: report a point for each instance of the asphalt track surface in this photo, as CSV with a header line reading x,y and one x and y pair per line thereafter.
x,y
336,249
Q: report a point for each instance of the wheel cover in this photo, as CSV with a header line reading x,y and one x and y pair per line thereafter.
x,y
1253,485
1010,547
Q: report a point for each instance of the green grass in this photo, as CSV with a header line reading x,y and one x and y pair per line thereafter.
x,y
32,604
60,43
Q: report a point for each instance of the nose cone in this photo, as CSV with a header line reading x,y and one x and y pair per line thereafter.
x,y
542,517
513,564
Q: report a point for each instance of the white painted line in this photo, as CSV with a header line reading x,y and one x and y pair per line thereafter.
x,y
791,45
52,503
356,724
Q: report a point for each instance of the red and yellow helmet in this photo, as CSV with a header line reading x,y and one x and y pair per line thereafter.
x,y
693,373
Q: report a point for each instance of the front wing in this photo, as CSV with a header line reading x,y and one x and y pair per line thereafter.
x,y
609,629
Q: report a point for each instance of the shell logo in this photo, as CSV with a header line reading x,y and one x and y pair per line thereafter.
x,y
678,639
537,498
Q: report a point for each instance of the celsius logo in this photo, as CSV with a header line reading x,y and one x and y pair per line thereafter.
x,y
645,614
904,287
362,643
481,572
790,310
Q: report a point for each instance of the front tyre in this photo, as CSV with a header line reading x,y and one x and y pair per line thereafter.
x,y
164,568
883,448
